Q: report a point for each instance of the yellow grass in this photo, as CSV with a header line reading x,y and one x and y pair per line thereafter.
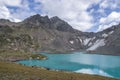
x,y
12,71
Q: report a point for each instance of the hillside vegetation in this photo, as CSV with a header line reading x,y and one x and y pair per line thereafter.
x,y
11,56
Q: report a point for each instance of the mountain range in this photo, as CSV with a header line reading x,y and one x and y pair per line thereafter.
x,y
41,33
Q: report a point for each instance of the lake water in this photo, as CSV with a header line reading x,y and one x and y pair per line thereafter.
x,y
80,62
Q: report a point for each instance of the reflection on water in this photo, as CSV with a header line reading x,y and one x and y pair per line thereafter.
x,y
102,61
104,65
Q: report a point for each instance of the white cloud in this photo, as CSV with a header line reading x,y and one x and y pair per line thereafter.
x,y
104,4
21,13
75,12
109,19
72,11
11,2
5,12
110,4
112,19
101,11
83,25
105,26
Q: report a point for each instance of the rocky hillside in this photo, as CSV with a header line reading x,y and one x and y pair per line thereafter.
x,y
41,33
107,41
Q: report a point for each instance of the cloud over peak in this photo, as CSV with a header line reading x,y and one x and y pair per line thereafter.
x,y
112,19
83,15
73,11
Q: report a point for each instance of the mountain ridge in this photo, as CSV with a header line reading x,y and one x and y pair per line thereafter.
x,y
41,33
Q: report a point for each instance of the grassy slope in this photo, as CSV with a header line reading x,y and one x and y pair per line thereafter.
x,y
11,71
8,55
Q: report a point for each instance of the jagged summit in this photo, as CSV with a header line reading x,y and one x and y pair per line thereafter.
x,y
61,25
37,18
55,18
46,22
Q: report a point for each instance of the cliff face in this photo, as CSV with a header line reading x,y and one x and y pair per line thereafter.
x,y
38,33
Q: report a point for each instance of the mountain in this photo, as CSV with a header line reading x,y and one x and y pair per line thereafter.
x,y
109,40
41,33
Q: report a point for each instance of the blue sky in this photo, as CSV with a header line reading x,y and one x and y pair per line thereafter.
x,y
84,15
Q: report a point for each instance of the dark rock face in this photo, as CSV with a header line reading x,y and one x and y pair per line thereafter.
x,y
37,20
41,33
45,22
60,25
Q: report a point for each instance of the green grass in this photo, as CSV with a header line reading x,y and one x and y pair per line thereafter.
x,y
12,71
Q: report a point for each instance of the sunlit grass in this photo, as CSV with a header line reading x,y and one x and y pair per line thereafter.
x,y
9,55
12,71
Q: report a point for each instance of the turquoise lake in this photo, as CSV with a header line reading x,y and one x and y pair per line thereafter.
x,y
80,62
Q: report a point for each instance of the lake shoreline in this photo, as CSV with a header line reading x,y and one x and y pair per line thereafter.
x,y
40,73
77,60
72,52
15,59
65,71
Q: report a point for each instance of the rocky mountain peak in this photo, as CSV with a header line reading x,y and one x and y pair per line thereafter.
x,y
61,25
55,18
52,23
37,18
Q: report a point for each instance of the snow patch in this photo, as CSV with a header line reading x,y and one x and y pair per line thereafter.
x,y
97,44
93,38
104,35
72,49
80,39
86,41
71,42
93,71
90,44
111,32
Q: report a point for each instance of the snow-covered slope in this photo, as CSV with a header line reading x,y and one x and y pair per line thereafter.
x,y
106,41
97,44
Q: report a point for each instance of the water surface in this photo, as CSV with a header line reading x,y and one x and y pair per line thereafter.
x,y
80,62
